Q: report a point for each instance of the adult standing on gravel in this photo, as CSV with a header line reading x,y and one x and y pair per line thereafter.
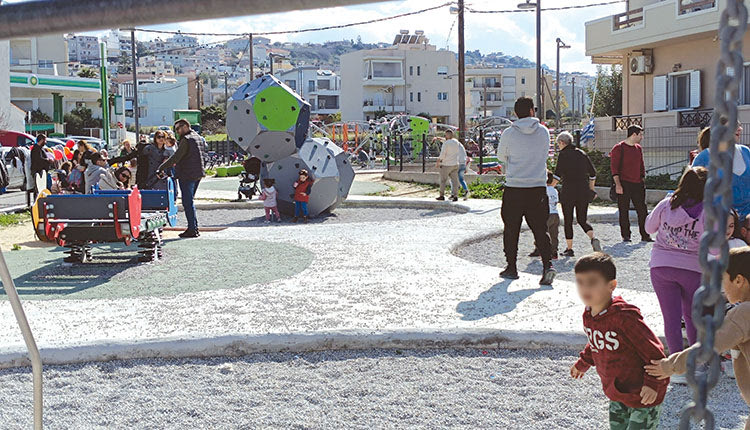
x,y
524,148
188,163
447,162
629,175
578,175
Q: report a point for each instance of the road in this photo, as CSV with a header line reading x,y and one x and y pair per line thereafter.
x,y
12,198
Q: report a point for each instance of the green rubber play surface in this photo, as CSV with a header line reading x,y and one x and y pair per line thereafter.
x,y
276,109
188,266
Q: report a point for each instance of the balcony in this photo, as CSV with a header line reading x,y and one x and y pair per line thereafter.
x,y
489,86
622,122
696,118
20,64
657,23
374,106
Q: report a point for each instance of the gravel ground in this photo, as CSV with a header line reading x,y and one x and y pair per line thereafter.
x,y
471,389
40,274
256,217
632,258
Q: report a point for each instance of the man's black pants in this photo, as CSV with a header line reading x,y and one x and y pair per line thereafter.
x,y
637,194
532,204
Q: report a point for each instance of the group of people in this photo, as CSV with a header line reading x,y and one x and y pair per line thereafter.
x,y
629,358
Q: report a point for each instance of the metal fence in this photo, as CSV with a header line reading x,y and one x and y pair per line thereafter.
x,y
665,149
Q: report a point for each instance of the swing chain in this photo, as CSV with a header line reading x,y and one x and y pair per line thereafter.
x,y
708,303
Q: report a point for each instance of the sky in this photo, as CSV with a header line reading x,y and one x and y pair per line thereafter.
x,y
512,33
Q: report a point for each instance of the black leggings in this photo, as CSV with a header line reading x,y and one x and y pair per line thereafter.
x,y
581,206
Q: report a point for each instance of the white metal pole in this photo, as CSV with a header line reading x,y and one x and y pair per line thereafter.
x,y
28,337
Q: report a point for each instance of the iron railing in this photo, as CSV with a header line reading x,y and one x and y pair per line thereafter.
x,y
622,122
696,118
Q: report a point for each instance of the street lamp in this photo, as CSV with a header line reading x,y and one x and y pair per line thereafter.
x,y
560,45
528,5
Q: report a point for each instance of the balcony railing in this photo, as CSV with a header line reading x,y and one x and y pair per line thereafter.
x,y
690,6
481,85
622,122
627,19
696,118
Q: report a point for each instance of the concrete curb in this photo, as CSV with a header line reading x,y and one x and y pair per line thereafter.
x,y
378,202
237,345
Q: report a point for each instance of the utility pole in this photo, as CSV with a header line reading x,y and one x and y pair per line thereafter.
x,y
250,48
198,91
104,91
226,106
484,87
270,60
539,87
461,75
560,45
134,62
573,94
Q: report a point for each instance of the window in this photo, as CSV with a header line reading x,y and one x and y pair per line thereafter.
x,y
411,97
442,96
386,70
142,112
419,71
311,86
324,85
746,85
291,84
45,64
680,91
523,81
419,95
411,70
442,70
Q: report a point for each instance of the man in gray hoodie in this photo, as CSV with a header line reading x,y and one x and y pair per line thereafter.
x,y
524,149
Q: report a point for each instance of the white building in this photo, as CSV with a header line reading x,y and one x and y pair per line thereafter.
x,y
83,49
157,99
408,76
11,117
493,91
321,88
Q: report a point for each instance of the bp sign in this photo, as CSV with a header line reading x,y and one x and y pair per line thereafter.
x,y
33,80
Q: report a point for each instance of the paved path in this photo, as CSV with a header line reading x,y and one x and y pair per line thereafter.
x,y
12,198
371,276
226,188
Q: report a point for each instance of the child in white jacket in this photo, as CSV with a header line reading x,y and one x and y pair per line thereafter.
x,y
268,195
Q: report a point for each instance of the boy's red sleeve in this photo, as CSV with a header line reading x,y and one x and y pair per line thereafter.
x,y
614,160
586,359
646,344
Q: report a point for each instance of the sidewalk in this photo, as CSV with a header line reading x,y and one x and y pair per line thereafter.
x,y
365,278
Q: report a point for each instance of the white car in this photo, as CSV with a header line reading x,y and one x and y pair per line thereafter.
x,y
15,176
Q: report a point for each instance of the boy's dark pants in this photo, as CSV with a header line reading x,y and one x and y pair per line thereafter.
x,y
532,204
553,228
637,194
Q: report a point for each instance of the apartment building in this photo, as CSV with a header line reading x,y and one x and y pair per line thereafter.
x,y
157,99
409,76
83,49
493,91
668,50
11,117
321,88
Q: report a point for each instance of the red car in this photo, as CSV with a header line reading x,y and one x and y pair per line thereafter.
x,y
14,138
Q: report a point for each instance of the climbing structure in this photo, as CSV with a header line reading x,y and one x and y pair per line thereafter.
x,y
271,122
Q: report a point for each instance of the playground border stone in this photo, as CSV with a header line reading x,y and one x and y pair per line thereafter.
x,y
238,345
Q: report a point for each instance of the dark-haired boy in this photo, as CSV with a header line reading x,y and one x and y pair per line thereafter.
x,y
619,345
734,333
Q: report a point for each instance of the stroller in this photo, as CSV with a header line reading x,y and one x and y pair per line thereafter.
x,y
249,179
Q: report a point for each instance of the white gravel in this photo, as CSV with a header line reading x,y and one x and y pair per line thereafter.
x,y
631,258
470,389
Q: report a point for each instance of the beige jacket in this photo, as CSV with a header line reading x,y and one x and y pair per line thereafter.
x,y
733,334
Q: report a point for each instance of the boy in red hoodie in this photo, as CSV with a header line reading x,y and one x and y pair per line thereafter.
x,y
619,345
302,188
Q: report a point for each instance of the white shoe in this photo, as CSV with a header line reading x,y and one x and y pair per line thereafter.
x,y
678,379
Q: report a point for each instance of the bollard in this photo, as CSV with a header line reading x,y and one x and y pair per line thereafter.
x,y
481,150
577,138
424,151
401,153
388,153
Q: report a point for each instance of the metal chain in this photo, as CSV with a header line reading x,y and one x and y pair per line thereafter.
x,y
708,302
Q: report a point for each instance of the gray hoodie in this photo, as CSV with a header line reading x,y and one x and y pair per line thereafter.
x,y
91,176
524,149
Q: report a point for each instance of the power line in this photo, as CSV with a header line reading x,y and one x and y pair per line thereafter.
x,y
582,6
304,30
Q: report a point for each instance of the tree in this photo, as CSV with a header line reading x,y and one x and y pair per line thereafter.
x,y
79,119
87,72
37,116
608,95
123,63
213,118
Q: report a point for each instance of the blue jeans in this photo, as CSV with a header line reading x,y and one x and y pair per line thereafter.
x,y
461,180
188,190
300,207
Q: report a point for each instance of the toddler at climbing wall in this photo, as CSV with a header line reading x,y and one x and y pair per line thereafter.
x,y
268,195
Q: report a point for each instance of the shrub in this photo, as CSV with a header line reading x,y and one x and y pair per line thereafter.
x,y
491,190
661,182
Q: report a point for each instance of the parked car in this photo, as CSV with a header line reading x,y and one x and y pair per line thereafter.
x,y
95,142
14,175
15,138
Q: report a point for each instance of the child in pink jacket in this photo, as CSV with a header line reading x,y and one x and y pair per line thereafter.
x,y
268,195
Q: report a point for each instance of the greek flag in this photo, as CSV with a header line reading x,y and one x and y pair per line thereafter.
x,y
588,132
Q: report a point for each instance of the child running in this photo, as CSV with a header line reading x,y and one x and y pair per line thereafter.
x,y
734,334
619,345
268,195
302,189
675,269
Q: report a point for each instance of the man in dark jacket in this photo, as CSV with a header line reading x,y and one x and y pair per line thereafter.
x,y
39,161
188,163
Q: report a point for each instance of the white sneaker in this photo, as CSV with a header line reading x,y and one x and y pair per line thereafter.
x,y
678,379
